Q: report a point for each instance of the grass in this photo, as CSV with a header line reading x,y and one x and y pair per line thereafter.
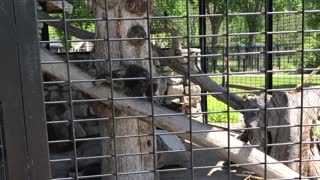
x,y
217,115
279,81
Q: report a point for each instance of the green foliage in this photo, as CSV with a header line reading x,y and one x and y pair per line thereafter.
x,y
254,23
281,81
170,8
285,5
217,116
313,19
312,60
177,11
81,11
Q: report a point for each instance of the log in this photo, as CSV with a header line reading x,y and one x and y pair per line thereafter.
x,y
214,138
205,82
308,78
286,112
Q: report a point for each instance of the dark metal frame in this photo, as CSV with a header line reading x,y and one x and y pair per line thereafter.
x,y
21,96
204,60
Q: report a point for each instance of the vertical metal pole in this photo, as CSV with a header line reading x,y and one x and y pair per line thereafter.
x,y
189,89
45,28
14,140
268,72
227,84
113,112
238,58
204,60
152,91
24,124
302,89
70,99
32,89
269,45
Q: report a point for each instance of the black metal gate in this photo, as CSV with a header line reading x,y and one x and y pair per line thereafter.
x,y
24,146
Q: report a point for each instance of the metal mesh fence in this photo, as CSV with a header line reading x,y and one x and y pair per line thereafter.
x,y
181,89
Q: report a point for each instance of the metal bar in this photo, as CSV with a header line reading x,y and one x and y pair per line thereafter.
x,y
189,88
268,76
2,148
154,137
31,86
45,28
269,43
302,90
72,128
14,139
204,60
227,84
113,114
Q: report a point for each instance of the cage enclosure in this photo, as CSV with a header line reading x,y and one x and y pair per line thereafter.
x,y
168,89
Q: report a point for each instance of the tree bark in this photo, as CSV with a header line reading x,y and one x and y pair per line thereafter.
x,y
210,137
205,82
286,113
215,22
122,49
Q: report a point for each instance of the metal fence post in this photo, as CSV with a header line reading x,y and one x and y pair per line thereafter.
x,y
25,137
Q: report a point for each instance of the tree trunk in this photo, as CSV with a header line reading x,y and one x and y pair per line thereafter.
x,y
215,28
137,48
286,113
215,22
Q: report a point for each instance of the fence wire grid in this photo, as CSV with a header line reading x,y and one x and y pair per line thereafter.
x,y
181,89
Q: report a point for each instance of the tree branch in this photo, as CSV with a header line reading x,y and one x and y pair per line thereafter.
x,y
204,82
73,31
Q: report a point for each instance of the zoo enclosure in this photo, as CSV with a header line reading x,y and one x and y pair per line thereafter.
x,y
69,117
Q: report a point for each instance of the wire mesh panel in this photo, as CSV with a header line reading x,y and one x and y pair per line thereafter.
x,y
181,89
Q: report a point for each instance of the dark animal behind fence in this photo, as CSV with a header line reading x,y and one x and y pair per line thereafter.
x,y
139,83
